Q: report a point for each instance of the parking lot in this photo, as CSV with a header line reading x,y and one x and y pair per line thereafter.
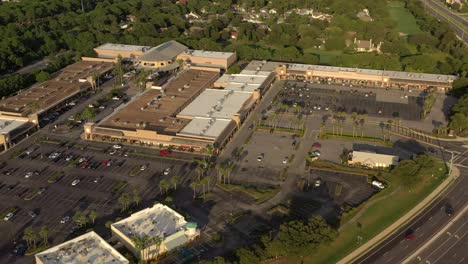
x,y
99,168
313,97
265,156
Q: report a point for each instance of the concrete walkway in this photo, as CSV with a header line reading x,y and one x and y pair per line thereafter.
x,y
375,241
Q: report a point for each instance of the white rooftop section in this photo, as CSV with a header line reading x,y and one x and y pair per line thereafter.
x,y
8,125
205,127
216,103
157,221
391,74
374,159
122,47
242,87
255,73
87,248
242,78
209,54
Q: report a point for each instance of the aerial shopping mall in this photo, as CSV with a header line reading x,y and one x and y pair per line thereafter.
x,y
199,105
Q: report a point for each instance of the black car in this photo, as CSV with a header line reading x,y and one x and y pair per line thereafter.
x,y
449,209
20,249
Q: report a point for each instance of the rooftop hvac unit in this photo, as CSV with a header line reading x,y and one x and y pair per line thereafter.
x,y
258,68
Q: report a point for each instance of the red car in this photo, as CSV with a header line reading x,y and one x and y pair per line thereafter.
x,y
409,235
104,163
85,165
317,145
164,152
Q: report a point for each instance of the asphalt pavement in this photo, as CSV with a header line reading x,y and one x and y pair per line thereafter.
x,y
397,247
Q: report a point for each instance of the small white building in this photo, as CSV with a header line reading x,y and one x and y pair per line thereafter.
x,y
151,232
372,159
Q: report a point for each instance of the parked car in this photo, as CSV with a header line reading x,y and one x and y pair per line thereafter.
x,y
117,146
9,216
32,214
65,219
20,249
143,167
317,183
378,184
316,145
260,157
28,174
112,152
285,160
167,171
75,182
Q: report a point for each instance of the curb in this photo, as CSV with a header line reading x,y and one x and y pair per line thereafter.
x,y
376,241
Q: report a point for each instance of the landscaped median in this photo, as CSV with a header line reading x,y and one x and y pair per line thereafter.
x,y
363,223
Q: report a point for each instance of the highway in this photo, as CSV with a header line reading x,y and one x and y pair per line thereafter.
x,y
397,248
449,246
441,12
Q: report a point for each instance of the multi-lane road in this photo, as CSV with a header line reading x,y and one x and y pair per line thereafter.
x,y
397,248
459,24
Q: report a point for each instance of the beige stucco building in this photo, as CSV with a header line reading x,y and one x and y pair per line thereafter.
x,y
203,58
152,232
113,51
372,160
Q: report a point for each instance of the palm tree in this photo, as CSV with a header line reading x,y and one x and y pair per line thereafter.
x,y
174,181
124,201
119,71
29,235
44,234
220,171
228,170
136,197
202,166
163,184
93,216
142,243
141,79
194,185
157,241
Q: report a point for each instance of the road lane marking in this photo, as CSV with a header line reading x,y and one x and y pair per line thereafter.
x,y
448,249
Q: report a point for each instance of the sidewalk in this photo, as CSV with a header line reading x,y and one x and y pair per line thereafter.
x,y
375,241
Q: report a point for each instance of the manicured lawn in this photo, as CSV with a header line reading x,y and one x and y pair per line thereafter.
x,y
326,57
378,216
406,23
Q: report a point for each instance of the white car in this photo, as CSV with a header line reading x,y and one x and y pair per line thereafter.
x,y
75,182
166,171
378,184
260,157
65,219
285,160
117,146
317,183
112,152
8,216
28,175
143,167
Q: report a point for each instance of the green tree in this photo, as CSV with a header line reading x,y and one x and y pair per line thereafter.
x,y
88,113
42,76
124,201
136,197
234,69
92,216
80,218
30,236
44,234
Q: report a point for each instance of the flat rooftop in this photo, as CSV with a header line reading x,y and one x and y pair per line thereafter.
x,y
242,79
216,103
262,65
157,221
209,54
87,248
49,93
205,127
8,125
156,109
122,47
390,74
